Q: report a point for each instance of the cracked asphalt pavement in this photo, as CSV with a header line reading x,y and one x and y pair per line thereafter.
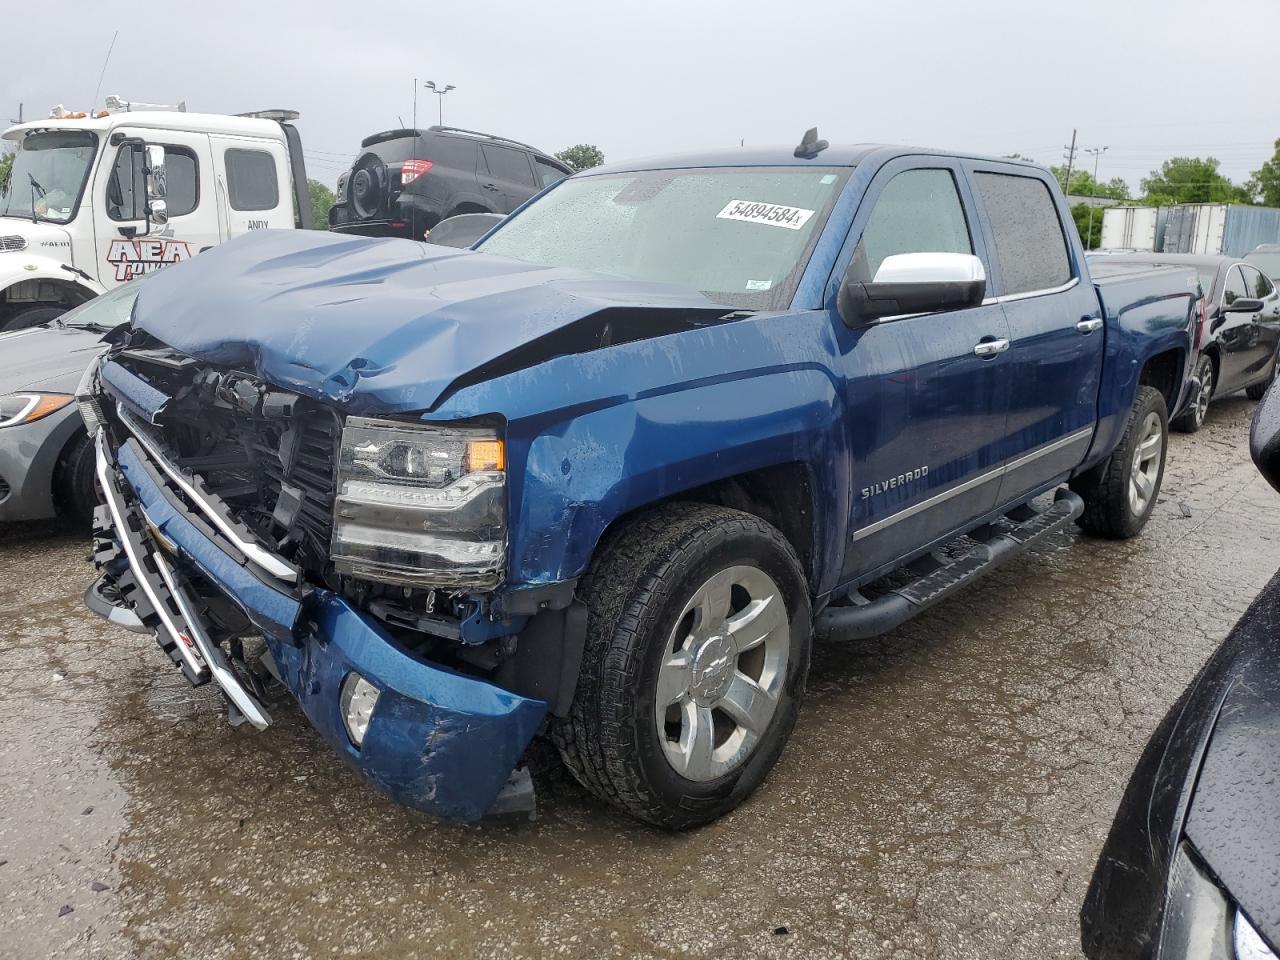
x,y
945,793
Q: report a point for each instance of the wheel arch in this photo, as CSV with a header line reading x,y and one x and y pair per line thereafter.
x,y
467,206
24,292
1164,371
781,495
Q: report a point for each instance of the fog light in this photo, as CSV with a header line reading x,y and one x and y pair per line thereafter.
x,y
358,699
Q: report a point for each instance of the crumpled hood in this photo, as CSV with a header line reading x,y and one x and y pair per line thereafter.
x,y
378,325
46,358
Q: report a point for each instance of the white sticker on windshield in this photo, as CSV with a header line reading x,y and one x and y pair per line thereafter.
x,y
759,284
773,214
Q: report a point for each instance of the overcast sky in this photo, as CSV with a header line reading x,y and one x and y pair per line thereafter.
x,y
1147,78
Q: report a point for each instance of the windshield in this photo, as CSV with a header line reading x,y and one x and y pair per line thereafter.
x,y
107,311
740,236
49,173
1268,263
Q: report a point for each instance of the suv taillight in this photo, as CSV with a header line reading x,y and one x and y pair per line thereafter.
x,y
411,170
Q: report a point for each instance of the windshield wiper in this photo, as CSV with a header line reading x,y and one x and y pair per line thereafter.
x,y
35,185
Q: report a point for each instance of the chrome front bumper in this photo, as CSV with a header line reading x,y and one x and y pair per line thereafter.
x,y
176,622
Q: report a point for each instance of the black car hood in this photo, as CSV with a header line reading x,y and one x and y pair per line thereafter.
x,y
1210,773
1235,816
46,358
387,325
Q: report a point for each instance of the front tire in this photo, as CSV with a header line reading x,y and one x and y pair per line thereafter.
x,y
32,317
1193,419
1120,493
75,483
697,651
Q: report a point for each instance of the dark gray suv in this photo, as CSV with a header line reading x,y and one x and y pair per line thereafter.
x,y
406,181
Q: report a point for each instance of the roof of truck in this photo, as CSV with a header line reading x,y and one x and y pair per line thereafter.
x,y
835,155
156,120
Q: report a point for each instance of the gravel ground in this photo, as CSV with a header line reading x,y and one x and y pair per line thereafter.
x,y
945,793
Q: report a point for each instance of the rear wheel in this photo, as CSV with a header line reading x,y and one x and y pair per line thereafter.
x,y
697,652
33,317
1120,493
1193,418
1259,390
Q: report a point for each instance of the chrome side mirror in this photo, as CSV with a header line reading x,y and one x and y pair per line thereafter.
x,y
156,185
908,283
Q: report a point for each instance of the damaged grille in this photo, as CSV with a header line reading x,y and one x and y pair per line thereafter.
x,y
269,455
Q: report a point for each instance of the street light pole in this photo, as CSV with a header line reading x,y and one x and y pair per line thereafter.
x,y
439,91
1097,152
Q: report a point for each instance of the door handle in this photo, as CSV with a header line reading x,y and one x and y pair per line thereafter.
x,y
1087,325
489,186
989,348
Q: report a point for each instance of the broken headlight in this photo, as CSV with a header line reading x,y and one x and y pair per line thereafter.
x,y
420,506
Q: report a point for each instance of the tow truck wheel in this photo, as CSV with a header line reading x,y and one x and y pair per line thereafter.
x,y
1120,493
32,317
697,651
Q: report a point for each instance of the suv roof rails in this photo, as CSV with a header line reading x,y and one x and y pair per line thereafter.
x,y
487,136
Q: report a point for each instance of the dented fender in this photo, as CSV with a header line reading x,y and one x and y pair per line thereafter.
x,y
594,436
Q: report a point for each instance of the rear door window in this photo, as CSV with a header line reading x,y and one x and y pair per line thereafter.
x,y
1258,284
251,180
548,174
1030,244
918,211
1235,288
506,164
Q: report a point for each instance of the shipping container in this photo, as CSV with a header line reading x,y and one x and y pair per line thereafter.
x,y
1131,228
1229,229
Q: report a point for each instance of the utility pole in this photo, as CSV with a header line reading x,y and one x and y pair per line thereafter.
x,y
1070,157
19,120
1097,152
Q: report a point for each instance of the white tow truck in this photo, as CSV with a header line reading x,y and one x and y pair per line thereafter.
x,y
95,200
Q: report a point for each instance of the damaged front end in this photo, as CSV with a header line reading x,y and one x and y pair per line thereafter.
x,y
265,539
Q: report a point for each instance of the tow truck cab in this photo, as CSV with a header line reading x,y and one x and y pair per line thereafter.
x,y
94,201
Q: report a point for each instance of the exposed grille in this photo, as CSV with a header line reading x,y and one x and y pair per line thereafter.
x,y
268,455
12,242
302,457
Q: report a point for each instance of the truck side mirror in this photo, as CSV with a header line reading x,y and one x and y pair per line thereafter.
x,y
907,283
137,188
1264,437
157,206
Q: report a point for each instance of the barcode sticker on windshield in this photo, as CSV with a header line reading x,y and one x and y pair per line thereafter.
x,y
773,214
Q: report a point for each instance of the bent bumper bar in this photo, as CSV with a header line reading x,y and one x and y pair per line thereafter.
x,y
438,741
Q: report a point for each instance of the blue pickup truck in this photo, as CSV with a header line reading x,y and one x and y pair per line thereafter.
x,y
605,476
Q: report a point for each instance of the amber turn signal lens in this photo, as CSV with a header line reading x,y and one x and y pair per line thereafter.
x,y
486,455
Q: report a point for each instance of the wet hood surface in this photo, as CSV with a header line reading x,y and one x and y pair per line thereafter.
x,y
1234,822
46,358
378,325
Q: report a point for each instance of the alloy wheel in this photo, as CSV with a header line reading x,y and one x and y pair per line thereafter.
x,y
722,673
1147,459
